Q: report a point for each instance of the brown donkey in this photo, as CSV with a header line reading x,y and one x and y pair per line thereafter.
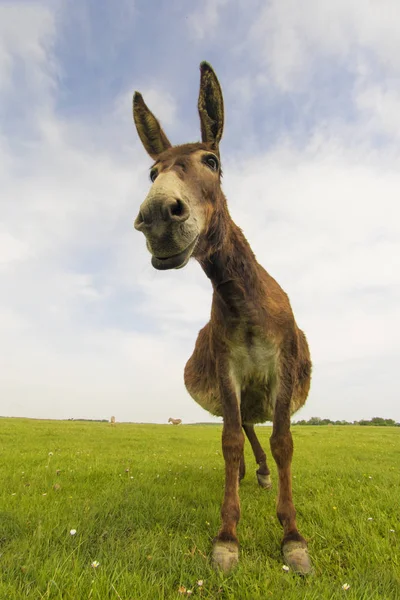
x,y
251,362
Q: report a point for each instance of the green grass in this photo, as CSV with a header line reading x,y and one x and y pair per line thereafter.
x,y
145,502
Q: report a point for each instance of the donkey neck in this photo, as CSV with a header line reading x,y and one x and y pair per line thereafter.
x,y
231,262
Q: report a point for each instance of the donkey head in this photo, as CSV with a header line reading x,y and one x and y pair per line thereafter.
x,y
178,209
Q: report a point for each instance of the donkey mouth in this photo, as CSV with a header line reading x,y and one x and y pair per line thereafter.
x,y
176,261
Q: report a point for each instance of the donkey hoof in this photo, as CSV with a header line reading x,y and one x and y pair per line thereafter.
x,y
296,556
225,555
264,481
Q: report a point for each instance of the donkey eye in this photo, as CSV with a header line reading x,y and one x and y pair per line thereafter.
x,y
212,162
153,174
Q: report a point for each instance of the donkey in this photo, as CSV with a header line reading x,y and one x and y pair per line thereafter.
x,y
251,362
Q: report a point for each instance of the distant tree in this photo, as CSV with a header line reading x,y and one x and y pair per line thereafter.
x,y
314,421
376,421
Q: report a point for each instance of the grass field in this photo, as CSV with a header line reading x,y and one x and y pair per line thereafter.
x,y
145,499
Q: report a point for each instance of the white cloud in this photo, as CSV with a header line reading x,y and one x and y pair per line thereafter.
x,y
289,37
203,23
380,108
322,217
11,250
26,29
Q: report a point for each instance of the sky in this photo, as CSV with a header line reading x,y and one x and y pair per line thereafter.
x,y
311,160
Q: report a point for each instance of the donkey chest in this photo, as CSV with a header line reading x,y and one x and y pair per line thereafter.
x,y
255,371
255,363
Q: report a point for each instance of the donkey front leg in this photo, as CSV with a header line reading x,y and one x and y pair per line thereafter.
x,y
294,546
226,545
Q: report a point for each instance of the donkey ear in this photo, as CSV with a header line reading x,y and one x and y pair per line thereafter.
x,y
211,106
149,129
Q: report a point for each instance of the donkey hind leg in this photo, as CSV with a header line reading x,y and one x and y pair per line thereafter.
x,y
242,467
263,472
226,545
294,546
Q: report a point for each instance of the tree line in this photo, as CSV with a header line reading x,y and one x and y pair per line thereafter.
x,y
376,422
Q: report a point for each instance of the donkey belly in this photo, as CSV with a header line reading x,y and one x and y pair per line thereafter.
x,y
254,371
205,395
257,404
200,375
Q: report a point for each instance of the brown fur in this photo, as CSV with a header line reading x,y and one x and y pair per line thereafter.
x,y
251,362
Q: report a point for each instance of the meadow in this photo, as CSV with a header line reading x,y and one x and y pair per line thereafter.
x,y
94,511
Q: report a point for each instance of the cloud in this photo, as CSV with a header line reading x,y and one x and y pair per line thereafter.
x,y
11,250
291,38
380,107
26,30
88,327
203,23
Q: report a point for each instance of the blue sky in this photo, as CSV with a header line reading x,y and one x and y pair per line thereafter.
x,y
311,171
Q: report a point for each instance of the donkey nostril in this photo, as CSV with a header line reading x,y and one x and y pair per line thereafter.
x,y
139,221
179,210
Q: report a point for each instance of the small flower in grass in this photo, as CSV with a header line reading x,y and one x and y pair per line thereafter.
x,y
50,454
95,564
334,507
200,582
370,519
345,587
369,476
392,530
189,592
45,494
285,568
181,589
73,531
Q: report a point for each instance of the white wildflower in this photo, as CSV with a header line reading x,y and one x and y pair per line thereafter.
x,y
345,586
